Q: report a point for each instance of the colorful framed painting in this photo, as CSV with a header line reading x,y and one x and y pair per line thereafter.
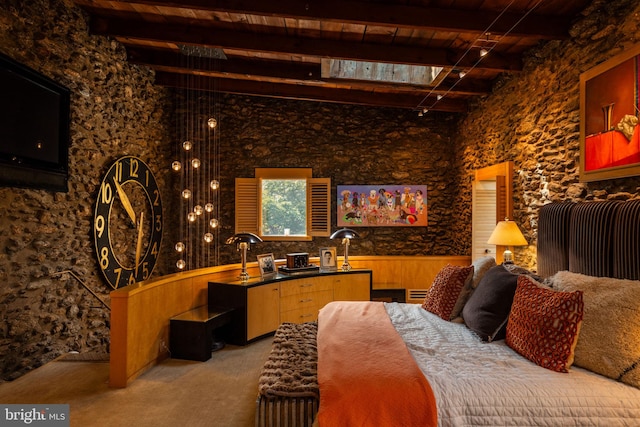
x,y
382,206
609,131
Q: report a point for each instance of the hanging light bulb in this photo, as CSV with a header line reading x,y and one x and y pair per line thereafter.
x,y
213,223
439,97
215,184
195,163
483,52
186,193
208,237
462,74
197,209
181,264
209,207
179,247
176,166
187,145
212,123
191,217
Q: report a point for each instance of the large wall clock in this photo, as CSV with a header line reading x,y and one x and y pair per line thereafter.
x,y
128,222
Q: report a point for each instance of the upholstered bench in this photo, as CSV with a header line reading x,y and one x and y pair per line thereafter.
x,y
288,392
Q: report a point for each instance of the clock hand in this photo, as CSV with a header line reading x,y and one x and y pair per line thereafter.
x,y
125,201
139,243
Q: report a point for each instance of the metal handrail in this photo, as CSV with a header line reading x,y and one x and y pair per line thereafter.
x,y
83,285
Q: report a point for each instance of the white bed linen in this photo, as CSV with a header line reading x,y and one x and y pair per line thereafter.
x,y
488,384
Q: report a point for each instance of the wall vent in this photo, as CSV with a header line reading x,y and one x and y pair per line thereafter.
x,y
418,293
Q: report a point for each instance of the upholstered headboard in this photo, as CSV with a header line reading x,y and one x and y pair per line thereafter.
x,y
593,238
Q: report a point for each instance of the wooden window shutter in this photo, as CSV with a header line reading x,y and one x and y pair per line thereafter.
x,y
247,205
320,202
502,208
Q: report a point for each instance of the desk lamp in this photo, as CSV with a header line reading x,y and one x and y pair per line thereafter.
x,y
507,234
243,243
346,234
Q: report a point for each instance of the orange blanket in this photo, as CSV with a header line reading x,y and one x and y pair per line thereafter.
x,y
366,374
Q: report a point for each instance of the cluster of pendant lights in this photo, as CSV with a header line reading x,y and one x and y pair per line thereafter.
x,y
197,164
201,207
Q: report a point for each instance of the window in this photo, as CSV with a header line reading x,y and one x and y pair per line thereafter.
x,y
283,204
283,210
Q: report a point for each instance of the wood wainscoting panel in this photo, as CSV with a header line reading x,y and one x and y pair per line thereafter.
x,y
140,313
406,272
140,316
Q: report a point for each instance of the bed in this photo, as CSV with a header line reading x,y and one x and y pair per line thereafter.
x,y
478,359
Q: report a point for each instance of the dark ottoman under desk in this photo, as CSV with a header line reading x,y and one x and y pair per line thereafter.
x,y
191,333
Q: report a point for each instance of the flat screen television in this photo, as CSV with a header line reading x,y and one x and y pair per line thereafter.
x,y
34,129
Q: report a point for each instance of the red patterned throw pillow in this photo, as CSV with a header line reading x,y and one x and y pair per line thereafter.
x,y
445,290
544,324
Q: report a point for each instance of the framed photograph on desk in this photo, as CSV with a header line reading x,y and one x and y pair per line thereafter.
x,y
328,259
267,265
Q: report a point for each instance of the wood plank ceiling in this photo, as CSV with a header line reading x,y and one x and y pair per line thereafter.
x,y
278,48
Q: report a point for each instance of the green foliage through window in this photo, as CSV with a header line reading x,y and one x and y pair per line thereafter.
x,y
284,207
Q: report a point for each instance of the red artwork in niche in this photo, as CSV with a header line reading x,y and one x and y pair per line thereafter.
x,y
611,97
610,149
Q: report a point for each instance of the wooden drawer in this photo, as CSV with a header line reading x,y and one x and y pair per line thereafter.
x,y
306,285
305,300
300,315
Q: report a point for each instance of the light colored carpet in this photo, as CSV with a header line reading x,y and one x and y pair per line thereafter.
x,y
219,392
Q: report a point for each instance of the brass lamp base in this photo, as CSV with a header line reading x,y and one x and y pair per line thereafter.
x,y
507,257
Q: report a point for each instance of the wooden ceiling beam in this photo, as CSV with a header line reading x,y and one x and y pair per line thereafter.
x,y
238,66
312,93
393,15
246,69
335,49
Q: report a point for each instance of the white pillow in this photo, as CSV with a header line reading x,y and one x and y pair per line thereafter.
x,y
609,341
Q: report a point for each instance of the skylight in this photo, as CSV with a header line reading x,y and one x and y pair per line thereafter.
x,y
380,72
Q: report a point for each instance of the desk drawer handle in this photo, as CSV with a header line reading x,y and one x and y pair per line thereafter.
x,y
306,315
306,285
306,300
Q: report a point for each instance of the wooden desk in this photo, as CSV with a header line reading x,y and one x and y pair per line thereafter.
x,y
261,305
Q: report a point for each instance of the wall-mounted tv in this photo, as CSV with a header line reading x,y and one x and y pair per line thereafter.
x,y
34,129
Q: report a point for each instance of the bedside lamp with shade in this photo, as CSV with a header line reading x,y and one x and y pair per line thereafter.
x,y
346,234
507,234
243,243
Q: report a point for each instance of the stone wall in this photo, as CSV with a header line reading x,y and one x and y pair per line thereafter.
x,y
533,119
350,145
115,110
